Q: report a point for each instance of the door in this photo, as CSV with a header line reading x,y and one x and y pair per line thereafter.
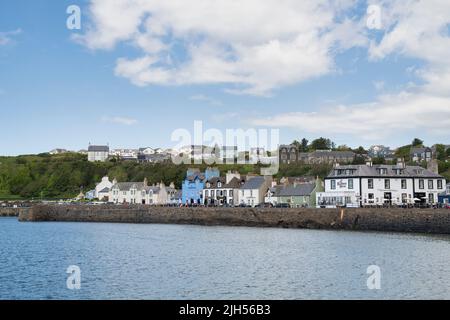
x,y
388,198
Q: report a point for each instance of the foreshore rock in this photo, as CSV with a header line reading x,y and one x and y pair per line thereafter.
x,y
433,221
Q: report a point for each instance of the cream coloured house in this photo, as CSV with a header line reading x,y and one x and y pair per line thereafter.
x,y
139,193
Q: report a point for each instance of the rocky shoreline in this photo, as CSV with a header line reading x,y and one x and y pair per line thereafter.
x,y
430,221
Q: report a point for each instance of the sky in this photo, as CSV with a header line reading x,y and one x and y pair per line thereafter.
x,y
357,72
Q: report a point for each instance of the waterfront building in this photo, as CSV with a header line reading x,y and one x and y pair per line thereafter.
x,y
223,190
193,185
295,195
98,153
252,192
102,189
420,154
444,198
138,193
367,185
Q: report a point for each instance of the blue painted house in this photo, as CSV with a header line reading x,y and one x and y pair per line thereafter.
x,y
193,185
444,198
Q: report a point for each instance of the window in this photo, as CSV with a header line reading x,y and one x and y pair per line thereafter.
x,y
350,183
431,198
370,183
219,185
421,184
387,183
439,184
333,184
206,193
404,184
430,184
212,193
231,193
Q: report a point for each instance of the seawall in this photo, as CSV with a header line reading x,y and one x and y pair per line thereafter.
x,y
433,221
12,212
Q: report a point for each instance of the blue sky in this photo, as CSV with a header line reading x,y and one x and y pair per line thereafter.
x,y
138,70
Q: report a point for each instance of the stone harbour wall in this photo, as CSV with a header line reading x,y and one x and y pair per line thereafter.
x,y
434,221
12,212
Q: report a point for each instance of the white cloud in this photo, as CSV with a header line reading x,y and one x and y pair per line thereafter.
x,y
6,37
415,29
252,46
120,120
390,115
204,98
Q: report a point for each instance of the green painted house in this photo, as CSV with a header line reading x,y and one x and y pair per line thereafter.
x,y
296,195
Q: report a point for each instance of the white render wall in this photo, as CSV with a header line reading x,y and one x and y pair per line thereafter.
x,y
379,189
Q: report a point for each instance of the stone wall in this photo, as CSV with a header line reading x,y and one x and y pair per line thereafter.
x,y
12,212
396,220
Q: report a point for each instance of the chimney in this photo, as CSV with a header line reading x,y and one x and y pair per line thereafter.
x,y
433,166
369,163
145,182
401,163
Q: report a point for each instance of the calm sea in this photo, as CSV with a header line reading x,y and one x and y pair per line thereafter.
x,y
128,261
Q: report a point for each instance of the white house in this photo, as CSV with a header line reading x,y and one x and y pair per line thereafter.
x,y
138,193
98,153
223,191
366,185
102,189
253,192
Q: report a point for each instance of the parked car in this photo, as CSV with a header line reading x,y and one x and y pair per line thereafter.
x,y
282,205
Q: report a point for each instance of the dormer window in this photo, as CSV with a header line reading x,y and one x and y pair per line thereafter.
x,y
219,185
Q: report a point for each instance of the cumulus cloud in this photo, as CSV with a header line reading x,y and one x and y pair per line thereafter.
x,y
251,46
6,37
120,120
414,29
389,116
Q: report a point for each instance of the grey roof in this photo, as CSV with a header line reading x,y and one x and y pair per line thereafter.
x,y
419,150
296,190
234,183
104,190
372,171
98,149
253,183
125,186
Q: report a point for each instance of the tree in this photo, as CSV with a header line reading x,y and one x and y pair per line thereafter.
x,y
359,159
296,144
360,150
343,148
304,145
417,142
321,144
378,160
